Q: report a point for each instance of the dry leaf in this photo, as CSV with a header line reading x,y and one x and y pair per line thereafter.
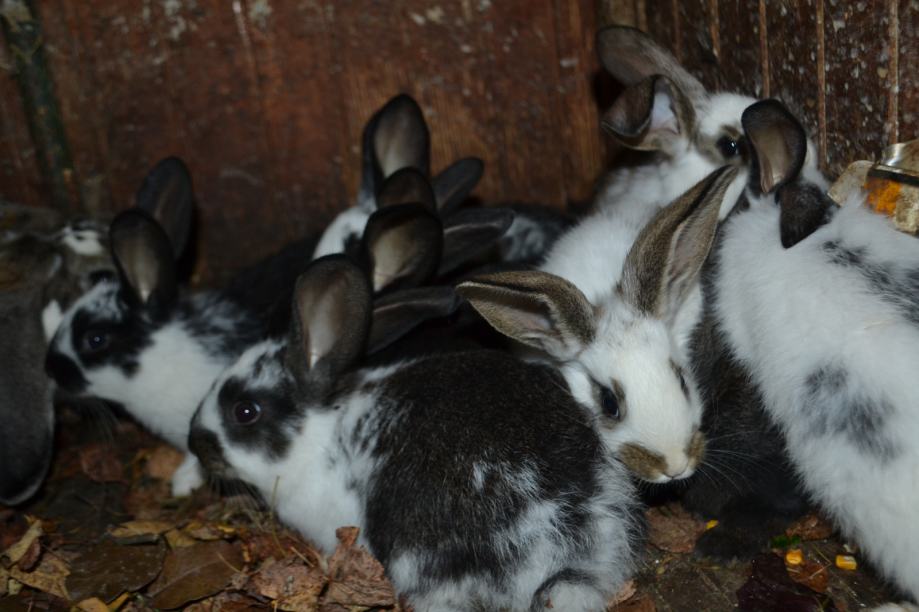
x,y
357,579
93,604
810,527
133,529
673,529
49,577
228,602
176,538
108,569
162,462
641,603
21,548
624,594
99,463
811,574
770,589
290,583
196,572
209,532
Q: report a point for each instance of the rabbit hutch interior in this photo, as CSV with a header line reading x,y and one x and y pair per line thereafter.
x,y
459,305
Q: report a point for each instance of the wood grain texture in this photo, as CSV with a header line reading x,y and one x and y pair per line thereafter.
x,y
908,110
19,172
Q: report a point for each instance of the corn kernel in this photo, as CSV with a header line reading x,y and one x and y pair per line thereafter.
x,y
846,562
794,557
711,524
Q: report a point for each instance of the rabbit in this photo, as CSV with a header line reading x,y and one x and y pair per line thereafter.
x,y
139,342
474,477
618,348
666,111
397,137
819,304
46,261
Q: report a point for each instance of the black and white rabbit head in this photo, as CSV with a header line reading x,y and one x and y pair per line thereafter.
x,y
248,425
100,337
667,110
619,355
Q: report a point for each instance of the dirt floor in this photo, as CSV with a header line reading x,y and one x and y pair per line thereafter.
x,y
105,535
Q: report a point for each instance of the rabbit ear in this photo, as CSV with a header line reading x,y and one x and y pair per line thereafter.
x,y
536,308
651,115
631,56
331,320
398,313
779,144
454,184
166,195
469,232
144,257
395,137
402,245
406,186
668,254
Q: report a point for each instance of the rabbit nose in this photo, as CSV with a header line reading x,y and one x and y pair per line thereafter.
x,y
678,469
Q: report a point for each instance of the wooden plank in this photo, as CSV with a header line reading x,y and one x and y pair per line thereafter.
x,y
739,59
20,179
908,110
663,24
696,41
857,77
583,149
791,33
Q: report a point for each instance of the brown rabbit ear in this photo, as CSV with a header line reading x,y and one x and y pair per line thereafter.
x,y
166,195
536,308
395,137
779,143
406,186
331,320
398,313
664,262
144,258
651,115
454,184
631,56
470,231
402,245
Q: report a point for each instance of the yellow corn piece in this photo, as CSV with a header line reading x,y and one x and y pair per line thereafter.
x,y
846,562
794,557
711,524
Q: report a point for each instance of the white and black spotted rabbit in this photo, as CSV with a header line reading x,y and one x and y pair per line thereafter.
x,y
475,478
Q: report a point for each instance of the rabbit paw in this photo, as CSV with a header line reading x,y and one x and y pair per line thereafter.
x,y
188,477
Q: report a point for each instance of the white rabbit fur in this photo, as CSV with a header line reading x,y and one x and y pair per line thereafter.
x,y
829,330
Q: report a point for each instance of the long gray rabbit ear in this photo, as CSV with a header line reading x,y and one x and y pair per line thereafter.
x,y
407,186
652,115
330,322
470,231
632,56
402,245
666,258
167,195
454,184
395,137
144,258
778,141
536,308
398,313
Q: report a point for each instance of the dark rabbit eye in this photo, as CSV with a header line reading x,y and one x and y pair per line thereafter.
x,y
95,340
609,403
683,384
728,147
101,276
246,412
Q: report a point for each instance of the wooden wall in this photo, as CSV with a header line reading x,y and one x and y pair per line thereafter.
x,y
266,99
848,67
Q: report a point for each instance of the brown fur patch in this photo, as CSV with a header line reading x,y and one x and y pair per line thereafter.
x,y
642,462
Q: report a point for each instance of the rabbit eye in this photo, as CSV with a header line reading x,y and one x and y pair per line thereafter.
x,y
246,412
728,147
95,340
683,384
609,403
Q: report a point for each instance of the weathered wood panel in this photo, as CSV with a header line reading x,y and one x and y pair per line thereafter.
x,y
18,165
908,48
